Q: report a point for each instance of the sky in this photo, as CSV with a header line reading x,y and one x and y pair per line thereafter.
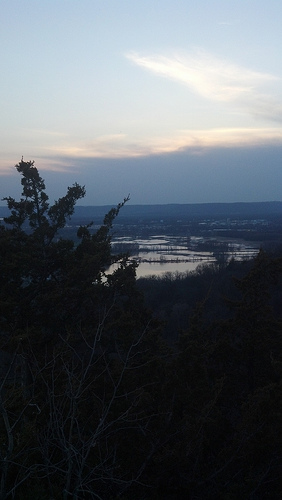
x,y
169,101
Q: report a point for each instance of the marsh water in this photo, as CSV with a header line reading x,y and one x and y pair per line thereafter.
x,y
162,254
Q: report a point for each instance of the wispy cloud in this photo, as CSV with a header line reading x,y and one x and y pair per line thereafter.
x,y
105,146
5,167
32,144
217,80
47,163
61,157
196,141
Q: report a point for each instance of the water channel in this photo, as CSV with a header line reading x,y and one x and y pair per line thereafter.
x,y
163,254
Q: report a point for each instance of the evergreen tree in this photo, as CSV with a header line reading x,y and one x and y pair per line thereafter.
x,y
81,354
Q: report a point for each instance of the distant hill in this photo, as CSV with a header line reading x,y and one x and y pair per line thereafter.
x,y
259,209
174,210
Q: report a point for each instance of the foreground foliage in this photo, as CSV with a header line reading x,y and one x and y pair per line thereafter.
x,y
74,339
94,405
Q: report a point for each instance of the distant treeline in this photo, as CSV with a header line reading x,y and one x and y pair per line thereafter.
x,y
242,209
258,209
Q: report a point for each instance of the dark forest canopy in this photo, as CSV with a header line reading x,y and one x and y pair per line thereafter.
x,y
163,389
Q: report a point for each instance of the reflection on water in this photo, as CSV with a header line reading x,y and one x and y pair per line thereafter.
x,y
162,254
159,268
149,268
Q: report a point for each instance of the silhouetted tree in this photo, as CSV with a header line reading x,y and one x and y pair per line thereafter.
x,y
82,350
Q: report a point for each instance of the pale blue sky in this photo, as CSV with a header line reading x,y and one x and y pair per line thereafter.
x,y
168,100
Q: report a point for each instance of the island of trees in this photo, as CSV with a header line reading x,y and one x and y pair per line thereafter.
x,y
112,387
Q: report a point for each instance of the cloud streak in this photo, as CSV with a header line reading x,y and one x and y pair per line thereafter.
x,y
196,141
217,80
62,157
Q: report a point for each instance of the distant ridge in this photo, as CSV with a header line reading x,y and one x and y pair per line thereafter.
x,y
254,209
239,209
